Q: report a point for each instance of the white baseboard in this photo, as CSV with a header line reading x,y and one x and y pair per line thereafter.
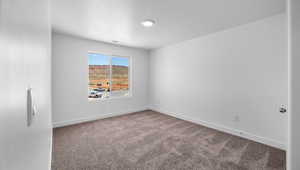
x,y
235,132
51,146
95,117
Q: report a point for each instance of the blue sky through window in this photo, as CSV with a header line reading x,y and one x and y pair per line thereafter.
x,y
120,61
99,59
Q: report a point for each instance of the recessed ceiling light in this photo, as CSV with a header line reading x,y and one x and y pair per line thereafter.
x,y
148,23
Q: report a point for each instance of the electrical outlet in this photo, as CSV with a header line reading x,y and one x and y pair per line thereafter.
x,y
236,118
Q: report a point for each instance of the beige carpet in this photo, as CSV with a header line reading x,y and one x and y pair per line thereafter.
x,y
152,141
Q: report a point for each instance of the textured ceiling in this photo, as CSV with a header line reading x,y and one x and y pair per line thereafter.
x,y
177,20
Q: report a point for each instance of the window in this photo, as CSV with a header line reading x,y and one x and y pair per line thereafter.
x,y
108,76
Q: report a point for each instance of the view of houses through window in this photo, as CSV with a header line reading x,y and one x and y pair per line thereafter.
x,y
108,76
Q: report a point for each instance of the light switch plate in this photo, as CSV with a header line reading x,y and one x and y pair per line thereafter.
x,y
31,109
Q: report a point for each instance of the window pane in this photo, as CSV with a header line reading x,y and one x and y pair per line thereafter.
x,y
120,67
99,71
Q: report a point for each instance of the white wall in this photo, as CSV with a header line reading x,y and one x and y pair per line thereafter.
x,y
25,61
294,80
70,80
237,72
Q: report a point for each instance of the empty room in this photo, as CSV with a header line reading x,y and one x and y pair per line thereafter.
x,y
149,85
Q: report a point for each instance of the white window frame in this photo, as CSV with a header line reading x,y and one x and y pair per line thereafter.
x,y
110,74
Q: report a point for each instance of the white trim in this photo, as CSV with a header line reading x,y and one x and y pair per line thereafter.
x,y
51,147
111,98
95,117
235,132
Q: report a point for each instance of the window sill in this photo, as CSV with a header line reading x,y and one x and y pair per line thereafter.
x,y
111,98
